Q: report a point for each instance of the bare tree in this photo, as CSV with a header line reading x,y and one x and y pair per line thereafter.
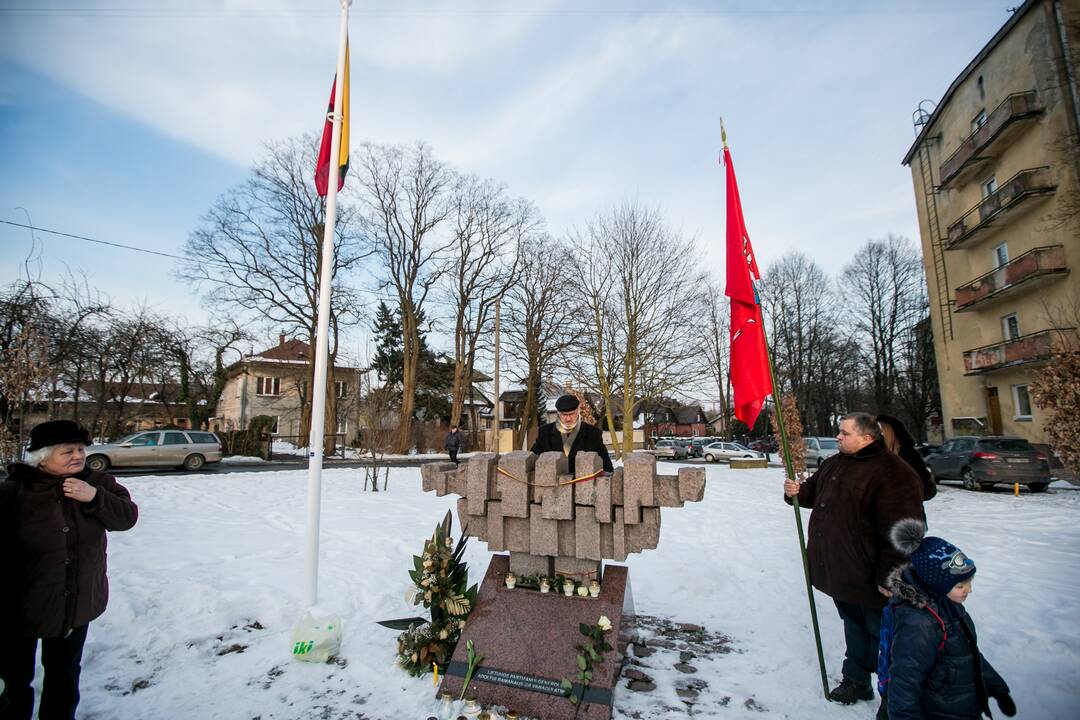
x,y
596,360
258,252
657,294
406,194
489,228
799,305
1056,388
884,284
537,318
715,344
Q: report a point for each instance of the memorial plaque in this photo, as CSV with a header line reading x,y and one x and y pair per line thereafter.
x,y
552,523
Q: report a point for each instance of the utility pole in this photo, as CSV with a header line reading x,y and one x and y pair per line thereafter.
x,y
498,405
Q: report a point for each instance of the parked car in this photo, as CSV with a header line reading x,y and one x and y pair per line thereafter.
x,y
187,449
925,449
717,451
672,449
696,445
819,448
764,445
979,462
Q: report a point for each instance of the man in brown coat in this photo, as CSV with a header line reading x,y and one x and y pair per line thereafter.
x,y
857,496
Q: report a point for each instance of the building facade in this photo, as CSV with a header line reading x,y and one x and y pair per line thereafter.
x,y
274,383
995,172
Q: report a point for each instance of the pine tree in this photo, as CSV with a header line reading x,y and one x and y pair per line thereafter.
x,y
388,358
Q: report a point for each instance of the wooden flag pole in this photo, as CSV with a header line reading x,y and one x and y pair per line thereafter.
x,y
790,471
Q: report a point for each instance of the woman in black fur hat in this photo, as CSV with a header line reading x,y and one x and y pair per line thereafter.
x,y
899,441
54,514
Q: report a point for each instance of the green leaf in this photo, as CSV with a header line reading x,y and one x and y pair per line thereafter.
x,y
574,699
566,685
581,662
584,629
593,654
587,676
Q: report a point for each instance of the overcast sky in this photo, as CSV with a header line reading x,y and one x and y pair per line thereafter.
x,y
123,120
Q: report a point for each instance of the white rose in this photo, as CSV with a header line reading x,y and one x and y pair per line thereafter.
x,y
604,623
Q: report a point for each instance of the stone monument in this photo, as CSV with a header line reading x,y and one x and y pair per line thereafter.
x,y
552,524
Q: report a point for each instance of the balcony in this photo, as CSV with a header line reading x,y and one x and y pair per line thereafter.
x,y
992,210
1035,348
1008,118
1030,269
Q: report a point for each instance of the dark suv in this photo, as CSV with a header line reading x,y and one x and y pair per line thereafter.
x,y
982,461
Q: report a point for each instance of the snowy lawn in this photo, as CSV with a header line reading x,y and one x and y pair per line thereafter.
x,y
207,587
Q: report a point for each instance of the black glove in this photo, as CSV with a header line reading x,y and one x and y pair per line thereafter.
x,y
1005,702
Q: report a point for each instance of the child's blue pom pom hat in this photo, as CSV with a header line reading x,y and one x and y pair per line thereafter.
x,y
938,564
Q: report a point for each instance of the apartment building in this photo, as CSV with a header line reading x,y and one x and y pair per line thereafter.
x,y
995,173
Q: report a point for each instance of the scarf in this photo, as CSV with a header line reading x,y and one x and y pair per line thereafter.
x,y
569,434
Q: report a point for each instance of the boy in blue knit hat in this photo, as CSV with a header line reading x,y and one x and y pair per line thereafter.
x,y
930,666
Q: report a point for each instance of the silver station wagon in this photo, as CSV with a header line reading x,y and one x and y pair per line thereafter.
x,y
187,449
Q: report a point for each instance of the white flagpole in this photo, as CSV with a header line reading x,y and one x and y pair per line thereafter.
x,y
322,342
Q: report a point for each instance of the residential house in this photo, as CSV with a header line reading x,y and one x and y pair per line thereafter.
x,y
274,383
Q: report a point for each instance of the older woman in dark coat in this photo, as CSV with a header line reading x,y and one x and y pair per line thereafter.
x,y
54,514
899,441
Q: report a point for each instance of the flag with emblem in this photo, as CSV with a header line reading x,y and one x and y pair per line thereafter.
x,y
750,378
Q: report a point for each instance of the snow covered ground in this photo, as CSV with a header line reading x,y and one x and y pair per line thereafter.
x,y
207,587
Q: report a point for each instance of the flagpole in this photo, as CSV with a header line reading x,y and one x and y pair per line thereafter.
x,y
790,471
322,340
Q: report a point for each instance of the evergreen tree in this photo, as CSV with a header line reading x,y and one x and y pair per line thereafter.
x,y
388,358
435,374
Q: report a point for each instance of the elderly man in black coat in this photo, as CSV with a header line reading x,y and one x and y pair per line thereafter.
x,y
569,435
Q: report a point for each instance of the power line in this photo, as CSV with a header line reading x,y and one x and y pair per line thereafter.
x,y
224,266
99,242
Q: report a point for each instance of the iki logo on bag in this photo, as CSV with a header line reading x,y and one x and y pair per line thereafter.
x,y
303,648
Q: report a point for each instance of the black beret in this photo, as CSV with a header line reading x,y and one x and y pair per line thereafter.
x,y
56,432
567,403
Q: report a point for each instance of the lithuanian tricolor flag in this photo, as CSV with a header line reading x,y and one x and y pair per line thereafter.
x,y
322,170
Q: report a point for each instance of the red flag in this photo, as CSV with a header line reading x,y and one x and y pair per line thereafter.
x,y
322,168
750,378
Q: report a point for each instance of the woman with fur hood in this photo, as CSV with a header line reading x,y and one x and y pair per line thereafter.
x,y
930,667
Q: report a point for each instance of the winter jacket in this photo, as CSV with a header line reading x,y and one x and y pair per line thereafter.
x,y
453,441
53,549
928,683
589,439
856,500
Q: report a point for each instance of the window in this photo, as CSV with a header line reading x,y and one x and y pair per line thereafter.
x,y
146,439
947,447
1021,402
203,437
989,186
342,427
175,438
341,388
963,445
1001,255
1010,327
273,428
267,386
978,121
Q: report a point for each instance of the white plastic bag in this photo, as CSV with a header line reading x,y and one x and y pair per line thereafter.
x,y
316,639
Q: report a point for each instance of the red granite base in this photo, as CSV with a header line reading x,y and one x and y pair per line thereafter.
x,y
525,632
